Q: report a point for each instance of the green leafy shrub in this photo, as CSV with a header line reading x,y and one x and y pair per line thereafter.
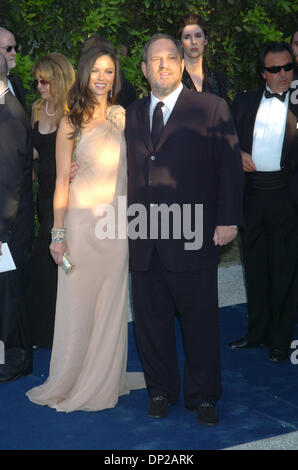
x,y
237,29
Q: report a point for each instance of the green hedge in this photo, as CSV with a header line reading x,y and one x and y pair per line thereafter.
x,y
237,29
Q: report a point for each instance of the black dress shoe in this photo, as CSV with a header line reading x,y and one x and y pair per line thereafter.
x,y
243,343
278,355
17,364
207,414
158,407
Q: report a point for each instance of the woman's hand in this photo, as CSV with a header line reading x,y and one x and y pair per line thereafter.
x,y
57,251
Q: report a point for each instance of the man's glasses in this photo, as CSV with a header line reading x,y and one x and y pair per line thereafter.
x,y
277,68
9,48
40,81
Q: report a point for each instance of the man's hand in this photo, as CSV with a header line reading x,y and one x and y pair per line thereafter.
x,y
224,234
247,162
73,171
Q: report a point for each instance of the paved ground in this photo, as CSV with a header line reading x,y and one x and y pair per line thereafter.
x,y
231,254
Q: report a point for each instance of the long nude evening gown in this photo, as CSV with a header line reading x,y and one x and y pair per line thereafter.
x,y
88,363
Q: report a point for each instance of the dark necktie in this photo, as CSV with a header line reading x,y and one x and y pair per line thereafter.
x,y
157,123
281,97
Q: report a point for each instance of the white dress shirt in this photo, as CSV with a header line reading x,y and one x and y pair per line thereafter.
x,y
10,87
269,131
169,103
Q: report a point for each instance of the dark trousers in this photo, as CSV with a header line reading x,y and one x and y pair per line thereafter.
x,y
157,293
14,331
270,254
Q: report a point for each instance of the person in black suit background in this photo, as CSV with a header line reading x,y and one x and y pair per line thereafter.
x,y
192,157
266,123
8,49
16,228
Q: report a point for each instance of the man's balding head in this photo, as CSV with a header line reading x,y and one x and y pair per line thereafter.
x,y
8,47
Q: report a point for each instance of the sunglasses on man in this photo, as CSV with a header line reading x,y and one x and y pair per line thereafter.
x,y
9,48
277,68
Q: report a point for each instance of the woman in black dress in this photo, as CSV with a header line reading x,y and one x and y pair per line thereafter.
x,y
197,75
54,76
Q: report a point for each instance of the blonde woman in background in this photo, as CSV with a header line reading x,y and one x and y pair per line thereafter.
x,y
54,75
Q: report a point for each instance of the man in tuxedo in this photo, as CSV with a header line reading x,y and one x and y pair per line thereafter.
x,y
8,49
182,150
16,228
266,123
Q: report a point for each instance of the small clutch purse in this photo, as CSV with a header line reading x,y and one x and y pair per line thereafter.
x,y
67,265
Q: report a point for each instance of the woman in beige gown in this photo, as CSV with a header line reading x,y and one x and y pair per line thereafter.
x,y
88,363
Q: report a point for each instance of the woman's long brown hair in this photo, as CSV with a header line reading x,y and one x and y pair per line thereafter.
x,y
81,101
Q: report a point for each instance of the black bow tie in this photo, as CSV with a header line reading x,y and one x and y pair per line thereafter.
x,y
281,97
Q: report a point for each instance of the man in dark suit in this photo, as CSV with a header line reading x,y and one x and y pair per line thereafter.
x,y
191,157
266,123
8,49
16,228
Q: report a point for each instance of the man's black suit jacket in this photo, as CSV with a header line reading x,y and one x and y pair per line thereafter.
x,y
197,161
244,109
16,200
18,89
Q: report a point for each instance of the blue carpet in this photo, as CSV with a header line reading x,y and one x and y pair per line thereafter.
x,y
259,401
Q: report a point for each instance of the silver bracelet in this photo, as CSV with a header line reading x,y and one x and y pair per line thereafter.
x,y
58,235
